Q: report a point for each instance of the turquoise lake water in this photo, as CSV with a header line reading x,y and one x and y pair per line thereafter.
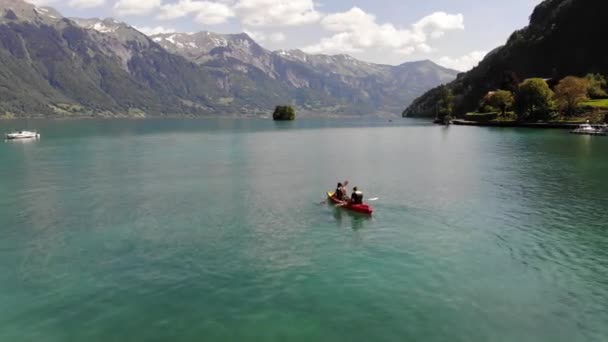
x,y
212,230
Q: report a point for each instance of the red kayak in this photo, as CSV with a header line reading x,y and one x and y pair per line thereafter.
x,y
359,208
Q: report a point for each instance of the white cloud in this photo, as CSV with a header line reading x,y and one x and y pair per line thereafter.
x,y
136,7
357,30
439,22
463,63
276,12
150,31
424,47
86,3
178,9
274,37
277,37
206,12
250,12
408,50
338,43
214,13
348,21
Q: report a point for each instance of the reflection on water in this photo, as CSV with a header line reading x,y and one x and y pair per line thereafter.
x,y
342,216
21,141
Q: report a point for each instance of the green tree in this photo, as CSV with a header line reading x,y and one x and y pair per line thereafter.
x,y
570,92
445,106
597,86
501,99
284,113
533,99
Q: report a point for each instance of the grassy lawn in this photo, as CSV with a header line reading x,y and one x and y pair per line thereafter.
x,y
574,120
601,103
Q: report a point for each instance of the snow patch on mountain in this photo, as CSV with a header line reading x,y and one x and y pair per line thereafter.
x,y
171,38
100,27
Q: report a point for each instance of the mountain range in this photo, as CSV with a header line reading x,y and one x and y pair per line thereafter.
x,y
564,37
56,66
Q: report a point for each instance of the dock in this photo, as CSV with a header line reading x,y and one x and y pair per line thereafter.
x,y
554,125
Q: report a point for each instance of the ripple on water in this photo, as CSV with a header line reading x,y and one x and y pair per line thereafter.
x,y
211,230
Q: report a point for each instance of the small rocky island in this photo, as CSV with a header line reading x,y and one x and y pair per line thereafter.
x,y
284,113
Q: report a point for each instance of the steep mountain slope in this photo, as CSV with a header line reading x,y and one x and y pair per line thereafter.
x,y
51,66
564,37
222,91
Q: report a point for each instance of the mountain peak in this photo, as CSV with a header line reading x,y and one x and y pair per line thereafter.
x,y
292,54
195,45
11,10
344,56
242,35
107,25
420,62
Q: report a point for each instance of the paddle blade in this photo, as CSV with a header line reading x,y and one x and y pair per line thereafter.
x,y
373,199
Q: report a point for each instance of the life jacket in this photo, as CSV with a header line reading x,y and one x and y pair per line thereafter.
x,y
357,197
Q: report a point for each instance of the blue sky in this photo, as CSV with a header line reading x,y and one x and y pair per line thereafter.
x,y
452,33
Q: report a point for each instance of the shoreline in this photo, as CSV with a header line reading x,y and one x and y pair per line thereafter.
x,y
206,117
553,125
196,117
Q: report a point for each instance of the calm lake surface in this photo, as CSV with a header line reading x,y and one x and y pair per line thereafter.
x,y
211,230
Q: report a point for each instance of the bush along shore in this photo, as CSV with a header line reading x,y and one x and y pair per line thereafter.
x,y
536,102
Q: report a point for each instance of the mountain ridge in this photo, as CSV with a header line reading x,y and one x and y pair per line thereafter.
x,y
57,66
371,86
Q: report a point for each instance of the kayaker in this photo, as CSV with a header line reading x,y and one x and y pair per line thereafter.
x,y
341,193
356,197
338,192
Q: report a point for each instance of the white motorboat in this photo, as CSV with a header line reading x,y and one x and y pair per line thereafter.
x,y
22,135
585,128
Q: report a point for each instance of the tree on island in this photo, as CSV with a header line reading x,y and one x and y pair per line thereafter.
x,y
284,113
501,99
570,92
533,99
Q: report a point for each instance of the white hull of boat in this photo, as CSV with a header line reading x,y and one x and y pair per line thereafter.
x,y
22,135
587,129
